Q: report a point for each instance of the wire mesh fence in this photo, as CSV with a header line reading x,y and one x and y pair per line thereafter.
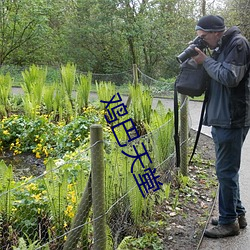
x,y
158,87
57,209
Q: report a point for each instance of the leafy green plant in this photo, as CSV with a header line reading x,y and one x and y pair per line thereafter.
x,y
184,181
5,90
147,241
6,184
23,134
164,193
105,91
34,81
58,102
62,104
83,91
43,137
56,184
161,128
176,199
141,105
6,204
48,98
68,74
119,182
23,245
30,208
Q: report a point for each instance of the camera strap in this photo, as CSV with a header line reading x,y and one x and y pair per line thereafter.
x,y
199,127
176,126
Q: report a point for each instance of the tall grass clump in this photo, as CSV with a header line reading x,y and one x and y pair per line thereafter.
x,y
161,130
33,85
5,90
6,184
141,103
120,184
48,97
105,91
83,91
68,74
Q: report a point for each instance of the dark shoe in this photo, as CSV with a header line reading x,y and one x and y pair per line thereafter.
x,y
221,231
241,219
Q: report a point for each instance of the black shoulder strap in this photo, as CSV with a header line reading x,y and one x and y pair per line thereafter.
x,y
176,127
199,127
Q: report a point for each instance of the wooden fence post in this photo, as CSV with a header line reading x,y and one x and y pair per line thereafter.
x,y
184,135
135,82
135,74
98,195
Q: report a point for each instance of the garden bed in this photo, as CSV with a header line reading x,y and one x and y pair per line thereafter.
x,y
179,220
25,164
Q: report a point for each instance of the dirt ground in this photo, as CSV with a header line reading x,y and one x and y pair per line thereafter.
x,y
187,222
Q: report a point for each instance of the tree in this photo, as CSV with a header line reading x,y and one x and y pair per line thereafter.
x,y
237,13
21,21
108,36
94,39
102,36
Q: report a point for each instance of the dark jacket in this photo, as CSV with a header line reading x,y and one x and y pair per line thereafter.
x,y
228,103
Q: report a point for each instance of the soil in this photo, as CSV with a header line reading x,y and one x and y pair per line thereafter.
x,y
187,222
25,164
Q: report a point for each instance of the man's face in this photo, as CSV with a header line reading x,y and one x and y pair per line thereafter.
x,y
211,38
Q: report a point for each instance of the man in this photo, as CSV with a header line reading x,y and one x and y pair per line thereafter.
x,y
228,112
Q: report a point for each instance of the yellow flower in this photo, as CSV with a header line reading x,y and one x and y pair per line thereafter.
x,y
69,211
45,151
73,199
37,196
17,152
38,155
6,132
31,187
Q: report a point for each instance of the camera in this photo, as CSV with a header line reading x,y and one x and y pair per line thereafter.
x,y
190,51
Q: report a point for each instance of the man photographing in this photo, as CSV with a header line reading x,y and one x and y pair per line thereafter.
x,y
228,112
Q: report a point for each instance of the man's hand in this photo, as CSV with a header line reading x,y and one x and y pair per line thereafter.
x,y
200,58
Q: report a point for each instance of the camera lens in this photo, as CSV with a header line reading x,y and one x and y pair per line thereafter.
x,y
187,53
190,51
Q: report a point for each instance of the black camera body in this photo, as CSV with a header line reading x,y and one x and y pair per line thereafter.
x,y
190,51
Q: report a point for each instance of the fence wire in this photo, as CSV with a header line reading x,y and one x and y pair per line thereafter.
x,y
42,212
